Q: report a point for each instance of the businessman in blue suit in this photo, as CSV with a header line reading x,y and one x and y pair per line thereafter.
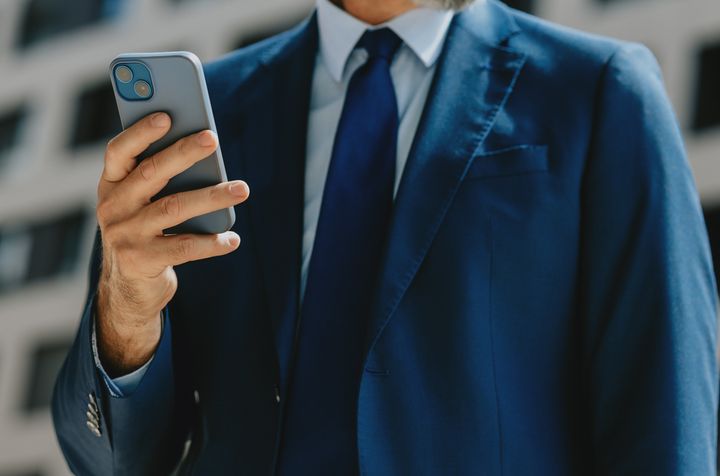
x,y
473,246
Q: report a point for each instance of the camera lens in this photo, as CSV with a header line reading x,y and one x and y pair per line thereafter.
x,y
142,88
123,74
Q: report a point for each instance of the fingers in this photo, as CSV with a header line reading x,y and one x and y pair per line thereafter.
x,y
153,173
177,208
178,249
125,147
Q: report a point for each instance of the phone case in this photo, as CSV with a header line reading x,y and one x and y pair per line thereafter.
x,y
179,89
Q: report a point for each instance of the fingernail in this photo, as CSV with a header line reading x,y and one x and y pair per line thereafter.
x,y
233,240
160,120
239,188
206,138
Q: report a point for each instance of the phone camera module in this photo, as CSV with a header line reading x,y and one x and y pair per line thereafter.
x,y
123,74
133,81
142,88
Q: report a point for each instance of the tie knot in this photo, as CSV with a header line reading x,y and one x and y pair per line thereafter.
x,y
382,43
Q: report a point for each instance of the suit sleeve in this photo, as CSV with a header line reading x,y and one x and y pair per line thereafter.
x,y
648,292
140,434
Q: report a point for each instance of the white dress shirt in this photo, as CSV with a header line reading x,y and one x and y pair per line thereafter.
x,y
423,32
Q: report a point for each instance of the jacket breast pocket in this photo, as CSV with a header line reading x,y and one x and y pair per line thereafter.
x,y
516,160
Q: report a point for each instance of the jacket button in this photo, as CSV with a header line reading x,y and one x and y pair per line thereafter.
x,y
93,416
277,394
92,404
93,428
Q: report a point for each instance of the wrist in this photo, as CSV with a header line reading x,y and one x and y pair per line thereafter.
x,y
125,341
123,301
123,350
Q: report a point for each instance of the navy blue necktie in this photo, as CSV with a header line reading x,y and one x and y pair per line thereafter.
x,y
319,435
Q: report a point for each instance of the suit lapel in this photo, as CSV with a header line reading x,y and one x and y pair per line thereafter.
x,y
274,138
474,78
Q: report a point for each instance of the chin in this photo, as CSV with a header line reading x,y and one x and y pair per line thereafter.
x,y
444,4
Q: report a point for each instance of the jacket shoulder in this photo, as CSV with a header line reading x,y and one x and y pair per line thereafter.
x,y
225,75
559,49
575,68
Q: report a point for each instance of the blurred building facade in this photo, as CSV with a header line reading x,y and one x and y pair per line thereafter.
x,y
57,110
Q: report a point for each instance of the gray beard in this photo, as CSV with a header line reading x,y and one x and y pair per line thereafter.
x,y
444,4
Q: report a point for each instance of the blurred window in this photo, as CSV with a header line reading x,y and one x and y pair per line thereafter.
x,y
55,245
707,96
15,246
45,362
33,252
96,116
524,5
260,35
22,473
10,125
43,19
712,221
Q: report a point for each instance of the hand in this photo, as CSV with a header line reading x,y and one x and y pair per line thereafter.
x,y
137,278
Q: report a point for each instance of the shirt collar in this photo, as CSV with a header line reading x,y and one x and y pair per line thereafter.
x,y
421,29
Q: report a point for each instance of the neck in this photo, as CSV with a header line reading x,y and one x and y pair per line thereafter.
x,y
375,12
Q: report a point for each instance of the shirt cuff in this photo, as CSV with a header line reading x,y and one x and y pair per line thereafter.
x,y
124,385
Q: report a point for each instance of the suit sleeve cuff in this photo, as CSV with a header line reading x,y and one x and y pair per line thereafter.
x,y
124,385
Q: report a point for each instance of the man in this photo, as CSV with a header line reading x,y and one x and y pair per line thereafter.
x,y
474,246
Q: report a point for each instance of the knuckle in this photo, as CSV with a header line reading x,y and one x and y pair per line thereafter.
x,y
215,193
171,285
170,206
185,247
111,149
171,280
111,235
149,167
142,126
126,254
103,211
185,146
110,155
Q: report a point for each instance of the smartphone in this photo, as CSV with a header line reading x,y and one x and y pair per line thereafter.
x,y
173,82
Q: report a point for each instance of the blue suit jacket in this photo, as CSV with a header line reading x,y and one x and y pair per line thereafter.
x,y
547,305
